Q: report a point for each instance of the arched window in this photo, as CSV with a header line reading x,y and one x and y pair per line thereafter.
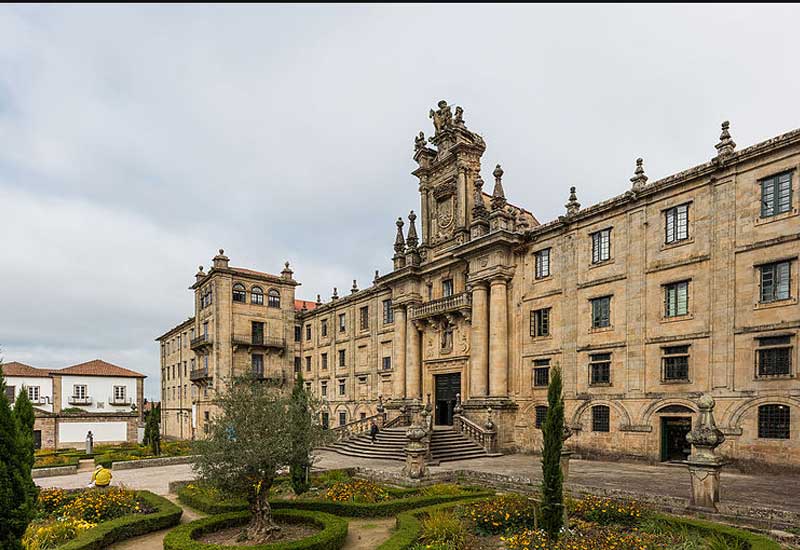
x,y
257,296
239,293
601,421
541,414
773,422
273,298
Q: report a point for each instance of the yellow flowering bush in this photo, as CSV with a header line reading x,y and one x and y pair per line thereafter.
x,y
51,533
502,513
356,490
586,538
606,511
51,500
96,505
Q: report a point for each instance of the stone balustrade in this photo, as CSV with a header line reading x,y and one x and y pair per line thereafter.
x,y
448,304
485,437
357,427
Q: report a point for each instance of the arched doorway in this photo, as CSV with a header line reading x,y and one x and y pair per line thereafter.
x,y
676,422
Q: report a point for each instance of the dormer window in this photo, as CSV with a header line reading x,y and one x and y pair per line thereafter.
x,y
239,293
257,296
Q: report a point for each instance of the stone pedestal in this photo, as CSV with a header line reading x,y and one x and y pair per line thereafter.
x,y
704,465
416,451
705,486
565,456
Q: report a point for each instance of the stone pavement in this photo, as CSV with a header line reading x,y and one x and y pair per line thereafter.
x,y
772,491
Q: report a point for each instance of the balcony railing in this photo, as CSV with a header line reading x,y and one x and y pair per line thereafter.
x,y
200,341
198,374
276,378
118,401
447,304
75,400
256,341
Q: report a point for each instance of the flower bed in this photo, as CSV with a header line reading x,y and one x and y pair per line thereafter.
x,y
332,536
54,460
107,455
94,519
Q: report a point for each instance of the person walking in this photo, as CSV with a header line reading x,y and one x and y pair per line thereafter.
x,y
101,477
373,431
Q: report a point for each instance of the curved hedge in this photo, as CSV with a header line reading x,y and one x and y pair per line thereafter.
x,y
384,508
167,514
332,536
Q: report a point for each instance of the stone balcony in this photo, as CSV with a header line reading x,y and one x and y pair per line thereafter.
x,y
457,304
198,375
201,341
75,400
259,342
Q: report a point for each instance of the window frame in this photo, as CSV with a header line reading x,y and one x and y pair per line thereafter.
x,y
600,361
766,431
273,298
540,322
596,321
342,357
767,344
542,263
34,393
386,360
342,323
673,225
388,312
672,294
116,394
669,353
257,295
239,293
600,424
323,361
773,183
448,287
540,365
363,316
772,295
601,246
538,421
323,328
83,393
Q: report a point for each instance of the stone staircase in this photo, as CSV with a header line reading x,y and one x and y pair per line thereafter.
x,y
446,445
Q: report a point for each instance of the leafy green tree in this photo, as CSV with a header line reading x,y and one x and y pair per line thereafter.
x,y
552,476
249,439
17,490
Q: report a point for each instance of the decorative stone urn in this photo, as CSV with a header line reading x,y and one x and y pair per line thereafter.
x,y
704,465
415,452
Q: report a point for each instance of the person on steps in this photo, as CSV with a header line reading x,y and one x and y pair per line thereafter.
x,y
373,431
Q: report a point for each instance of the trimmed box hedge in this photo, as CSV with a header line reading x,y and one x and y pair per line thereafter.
x,y
332,536
166,514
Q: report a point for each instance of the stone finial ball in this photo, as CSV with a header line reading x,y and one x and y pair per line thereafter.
x,y
705,401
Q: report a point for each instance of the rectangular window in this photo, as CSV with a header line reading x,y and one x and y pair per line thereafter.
x,y
540,322
364,315
297,365
341,387
205,329
79,391
324,361
541,415
387,363
541,373
776,282
324,389
308,332
205,361
342,326
774,356
601,312
308,363
258,365
676,299
342,418
675,363
323,329
298,331
325,421
119,393
388,312
601,421
601,246
257,332
776,195
447,287
342,362
542,261
600,369
677,223
773,422
33,393
10,393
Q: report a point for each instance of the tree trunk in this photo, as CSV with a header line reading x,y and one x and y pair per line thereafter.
x,y
261,527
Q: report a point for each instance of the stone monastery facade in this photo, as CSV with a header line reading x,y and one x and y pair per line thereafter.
x,y
678,287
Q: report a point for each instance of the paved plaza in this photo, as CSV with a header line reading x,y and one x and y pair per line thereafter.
x,y
781,492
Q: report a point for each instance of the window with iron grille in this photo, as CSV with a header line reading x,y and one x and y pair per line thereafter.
x,y
675,363
342,326
775,282
676,299
601,246
541,415
273,298
342,357
239,293
542,263
774,356
776,195
388,312
342,387
364,316
600,368
773,422
324,364
342,418
541,372
323,329
601,312
387,363
257,296
258,365
540,322
677,223
447,287
601,419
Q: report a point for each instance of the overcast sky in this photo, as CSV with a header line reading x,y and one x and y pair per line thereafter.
x,y
137,140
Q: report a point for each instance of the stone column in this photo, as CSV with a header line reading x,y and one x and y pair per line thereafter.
x,y
413,362
479,341
399,377
498,339
704,465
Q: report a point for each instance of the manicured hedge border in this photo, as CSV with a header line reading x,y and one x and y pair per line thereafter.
x,y
350,509
753,540
167,514
332,536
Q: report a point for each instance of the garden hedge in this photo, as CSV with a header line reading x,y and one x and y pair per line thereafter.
x,y
332,536
752,541
384,508
166,514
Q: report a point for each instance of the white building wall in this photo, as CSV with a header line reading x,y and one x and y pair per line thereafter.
x,y
75,432
45,389
100,389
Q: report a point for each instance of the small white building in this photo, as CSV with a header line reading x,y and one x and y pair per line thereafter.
x,y
95,396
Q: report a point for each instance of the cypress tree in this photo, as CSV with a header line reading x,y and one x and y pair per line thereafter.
x,y
23,412
300,428
552,477
17,490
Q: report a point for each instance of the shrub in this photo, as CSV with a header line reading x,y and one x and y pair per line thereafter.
x,y
357,490
441,528
606,511
50,533
506,512
442,489
51,461
331,477
208,499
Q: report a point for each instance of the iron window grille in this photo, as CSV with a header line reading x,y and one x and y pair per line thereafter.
x,y
774,356
541,373
601,246
773,422
601,312
676,299
542,264
675,363
540,322
601,419
600,369
540,415
677,224
776,282
776,195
